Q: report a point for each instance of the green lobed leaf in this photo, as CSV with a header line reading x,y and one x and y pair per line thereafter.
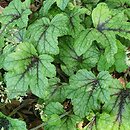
x,y
16,13
87,90
27,69
73,62
46,33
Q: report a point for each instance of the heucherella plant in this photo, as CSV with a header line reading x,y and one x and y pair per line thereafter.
x,y
74,56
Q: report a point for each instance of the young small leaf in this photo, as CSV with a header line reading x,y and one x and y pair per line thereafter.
x,y
48,3
56,113
62,3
